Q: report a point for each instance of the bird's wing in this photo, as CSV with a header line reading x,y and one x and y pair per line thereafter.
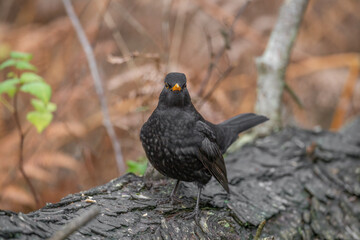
x,y
210,154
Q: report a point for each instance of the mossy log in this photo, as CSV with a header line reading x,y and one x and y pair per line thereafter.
x,y
305,184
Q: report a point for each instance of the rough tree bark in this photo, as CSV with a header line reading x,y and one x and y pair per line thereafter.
x,y
304,183
272,64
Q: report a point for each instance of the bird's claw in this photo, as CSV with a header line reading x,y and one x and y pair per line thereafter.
x,y
193,215
175,200
162,201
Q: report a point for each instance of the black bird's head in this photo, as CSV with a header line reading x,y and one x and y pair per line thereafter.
x,y
175,93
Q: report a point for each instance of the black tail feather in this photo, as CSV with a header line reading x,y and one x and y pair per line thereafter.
x,y
230,128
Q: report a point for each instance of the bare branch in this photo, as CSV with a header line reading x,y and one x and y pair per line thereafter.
x,y
272,64
218,81
228,38
76,224
126,15
103,7
97,82
120,60
119,40
209,44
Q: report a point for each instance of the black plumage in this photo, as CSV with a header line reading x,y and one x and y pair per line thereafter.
x,y
182,145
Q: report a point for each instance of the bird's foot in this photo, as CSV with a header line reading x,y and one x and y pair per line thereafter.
x,y
162,201
174,200
193,215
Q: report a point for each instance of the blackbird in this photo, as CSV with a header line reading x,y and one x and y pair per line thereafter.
x,y
181,144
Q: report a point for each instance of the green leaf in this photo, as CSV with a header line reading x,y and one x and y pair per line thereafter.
x,y
40,90
21,55
30,77
11,75
39,119
9,86
39,105
136,167
7,63
51,107
23,65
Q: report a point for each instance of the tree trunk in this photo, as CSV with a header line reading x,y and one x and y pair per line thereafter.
x,y
271,66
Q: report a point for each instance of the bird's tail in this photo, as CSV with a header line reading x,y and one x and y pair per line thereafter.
x,y
233,126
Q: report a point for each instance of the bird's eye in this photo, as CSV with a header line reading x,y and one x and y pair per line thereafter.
x,y
184,85
167,85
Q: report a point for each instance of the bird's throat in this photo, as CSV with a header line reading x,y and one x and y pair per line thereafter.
x,y
178,99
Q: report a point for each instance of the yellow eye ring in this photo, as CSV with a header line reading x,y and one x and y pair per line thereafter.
x,y
167,85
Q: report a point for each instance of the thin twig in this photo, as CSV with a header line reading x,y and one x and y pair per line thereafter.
x,y
217,13
218,81
165,27
120,60
293,95
119,40
259,230
179,27
76,224
21,151
210,69
209,44
228,36
98,84
7,104
126,15
102,12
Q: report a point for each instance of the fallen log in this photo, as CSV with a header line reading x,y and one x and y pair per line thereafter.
x,y
305,184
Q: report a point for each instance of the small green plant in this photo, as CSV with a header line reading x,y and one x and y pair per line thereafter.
x,y
23,79
27,82
138,167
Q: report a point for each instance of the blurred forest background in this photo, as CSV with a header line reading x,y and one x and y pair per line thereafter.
x,y
136,42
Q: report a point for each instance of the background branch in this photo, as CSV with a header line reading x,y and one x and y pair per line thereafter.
x,y
216,84
228,37
97,82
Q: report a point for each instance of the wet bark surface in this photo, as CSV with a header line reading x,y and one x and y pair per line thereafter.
x,y
306,185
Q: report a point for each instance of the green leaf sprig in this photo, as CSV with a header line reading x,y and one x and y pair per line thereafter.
x,y
28,82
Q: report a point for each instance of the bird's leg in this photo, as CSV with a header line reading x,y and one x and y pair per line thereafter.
x,y
196,211
173,198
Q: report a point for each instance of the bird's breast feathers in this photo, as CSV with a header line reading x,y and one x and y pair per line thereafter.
x,y
172,130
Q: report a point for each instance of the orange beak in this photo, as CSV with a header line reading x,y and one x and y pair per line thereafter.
x,y
176,88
